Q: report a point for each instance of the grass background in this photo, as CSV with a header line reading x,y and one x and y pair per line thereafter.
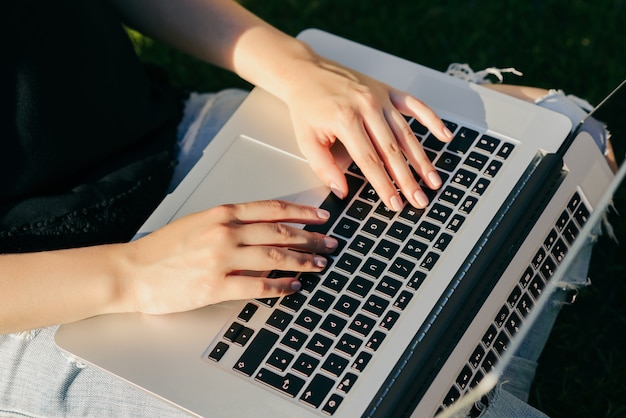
x,y
575,45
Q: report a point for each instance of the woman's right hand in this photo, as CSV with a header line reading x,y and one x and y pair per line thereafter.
x,y
201,259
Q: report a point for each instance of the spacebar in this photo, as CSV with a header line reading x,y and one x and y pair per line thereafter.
x,y
335,206
255,353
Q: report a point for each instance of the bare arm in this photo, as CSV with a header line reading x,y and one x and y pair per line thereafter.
x,y
192,262
326,100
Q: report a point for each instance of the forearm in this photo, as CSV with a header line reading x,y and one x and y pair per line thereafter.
x,y
47,288
223,33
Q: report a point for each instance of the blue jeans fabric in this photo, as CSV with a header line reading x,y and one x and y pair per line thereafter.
x,y
37,380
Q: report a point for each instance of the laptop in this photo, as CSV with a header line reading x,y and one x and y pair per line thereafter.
x,y
420,310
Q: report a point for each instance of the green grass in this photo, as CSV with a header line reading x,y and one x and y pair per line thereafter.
x,y
575,45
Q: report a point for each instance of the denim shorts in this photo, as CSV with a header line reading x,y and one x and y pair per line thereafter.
x,y
37,380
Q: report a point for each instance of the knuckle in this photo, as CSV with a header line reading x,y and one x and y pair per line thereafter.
x,y
275,254
283,232
277,205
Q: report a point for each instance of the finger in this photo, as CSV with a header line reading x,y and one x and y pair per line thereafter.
x,y
409,105
366,156
415,154
273,211
238,287
265,258
281,235
322,162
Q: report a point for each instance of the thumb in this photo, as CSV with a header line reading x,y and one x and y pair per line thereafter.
x,y
323,164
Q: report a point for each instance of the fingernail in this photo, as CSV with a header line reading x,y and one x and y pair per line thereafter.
x,y
320,261
434,179
447,132
330,242
421,198
323,214
396,204
296,285
336,191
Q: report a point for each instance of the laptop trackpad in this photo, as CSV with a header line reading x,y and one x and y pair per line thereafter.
x,y
249,171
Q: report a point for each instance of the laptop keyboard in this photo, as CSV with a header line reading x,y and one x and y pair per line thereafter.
x,y
313,345
522,298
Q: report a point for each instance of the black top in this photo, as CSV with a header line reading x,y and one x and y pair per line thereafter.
x,y
86,134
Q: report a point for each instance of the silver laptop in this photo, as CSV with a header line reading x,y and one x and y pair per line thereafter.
x,y
417,313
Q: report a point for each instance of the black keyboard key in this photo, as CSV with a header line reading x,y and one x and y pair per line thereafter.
x,y
414,249
464,178
346,383
348,263
335,365
309,282
373,267
505,150
289,384
333,403
317,390
476,160
386,249
448,162
389,320
368,193
247,312
232,331
515,295
375,340
492,168
429,261
463,140
359,210
360,286
279,320
321,300
477,357
452,195
362,325
581,215
259,347
464,378
401,267
455,223
346,227
218,351
319,344
308,320
399,231
269,302
501,343
524,305
346,305
570,232
293,301
361,361
526,278
416,280
411,214
333,325
513,324
374,227
335,281
403,300
548,268
488,143
305,364
348,344
361,245
335,206
388,286
439,213
384,211
442,241
490,336
375,305
452,396
501,317
427,230
480,186
468,205
279,359
433,143
294,339
418,128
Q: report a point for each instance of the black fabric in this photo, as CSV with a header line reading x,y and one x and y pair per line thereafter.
x,y
86,133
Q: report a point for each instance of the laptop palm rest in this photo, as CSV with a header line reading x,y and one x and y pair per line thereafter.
x,y
277,175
